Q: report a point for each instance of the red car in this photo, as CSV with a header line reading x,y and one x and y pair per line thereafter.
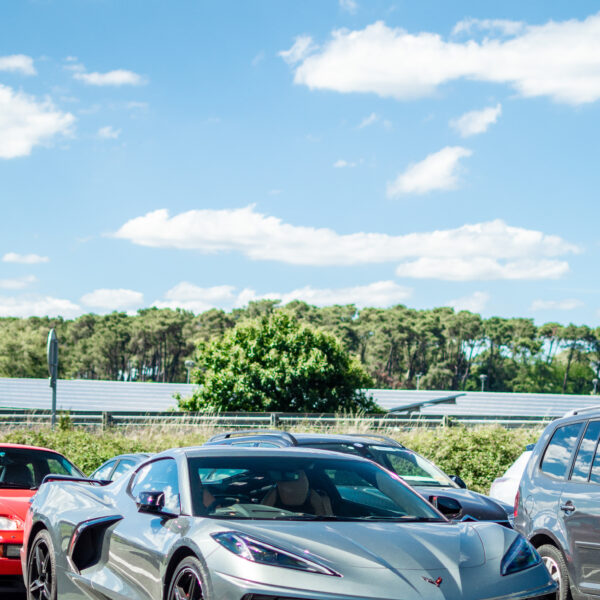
x,y
22,469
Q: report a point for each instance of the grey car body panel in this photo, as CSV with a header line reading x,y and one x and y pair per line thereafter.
x,y
474,505
388,560
540,517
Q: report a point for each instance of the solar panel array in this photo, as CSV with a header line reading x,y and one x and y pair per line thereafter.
x,y
116,396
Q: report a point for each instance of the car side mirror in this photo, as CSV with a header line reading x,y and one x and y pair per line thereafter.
x,y
449,507
458,481
154,503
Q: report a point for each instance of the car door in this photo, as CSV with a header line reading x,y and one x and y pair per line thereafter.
x,y
580,511
141,541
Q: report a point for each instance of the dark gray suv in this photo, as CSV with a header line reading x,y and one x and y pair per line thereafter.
x,y
558,504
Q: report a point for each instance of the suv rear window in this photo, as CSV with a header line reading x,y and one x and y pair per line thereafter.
x,y
560,449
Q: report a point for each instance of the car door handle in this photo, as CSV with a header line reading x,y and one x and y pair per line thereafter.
x,y
568,507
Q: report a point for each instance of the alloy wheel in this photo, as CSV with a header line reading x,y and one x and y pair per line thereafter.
x,y
553,569
187,585
40,572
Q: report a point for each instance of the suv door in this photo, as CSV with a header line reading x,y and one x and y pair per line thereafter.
x,y
579,511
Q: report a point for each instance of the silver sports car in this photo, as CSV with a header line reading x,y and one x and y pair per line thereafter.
x,y
264,524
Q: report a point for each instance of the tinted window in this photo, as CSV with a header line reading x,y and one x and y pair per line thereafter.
x,y
345,448
159,476
104,471
595,473
586,452
125,464
24,468
559,450
301,488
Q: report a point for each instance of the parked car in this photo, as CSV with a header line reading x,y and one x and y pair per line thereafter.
x,y
505,488
417,471
264,523
558,503
22,469
118,465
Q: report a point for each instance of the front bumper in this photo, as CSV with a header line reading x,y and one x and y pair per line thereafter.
x,y
10,546
231,587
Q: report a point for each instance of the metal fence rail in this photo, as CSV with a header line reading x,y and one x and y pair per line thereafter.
x,y
106,420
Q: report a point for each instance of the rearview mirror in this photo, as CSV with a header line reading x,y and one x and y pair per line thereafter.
x,y
449,507
458,481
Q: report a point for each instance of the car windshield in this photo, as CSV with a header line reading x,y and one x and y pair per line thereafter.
x,y
414,469
24,468
301,488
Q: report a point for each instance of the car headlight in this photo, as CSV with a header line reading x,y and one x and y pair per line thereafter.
x,y
520,556
256,551
8,524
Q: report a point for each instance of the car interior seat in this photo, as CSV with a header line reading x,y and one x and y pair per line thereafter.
x,y
18,474
294,493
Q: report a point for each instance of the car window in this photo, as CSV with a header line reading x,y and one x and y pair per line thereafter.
x,y
595,472
338,447
268,445
159,476
244,444
104,471
24,468
560,449
125,464
586,452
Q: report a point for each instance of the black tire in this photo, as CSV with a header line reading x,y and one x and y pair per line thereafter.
x,y
41,569
187,582
557,567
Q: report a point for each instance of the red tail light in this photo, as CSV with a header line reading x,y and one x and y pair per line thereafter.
x,y
516,504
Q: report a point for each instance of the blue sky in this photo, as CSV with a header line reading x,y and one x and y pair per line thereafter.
x,y
201,154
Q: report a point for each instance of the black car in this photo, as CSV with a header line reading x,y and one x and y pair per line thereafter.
x,y
118,465
429,480
558,502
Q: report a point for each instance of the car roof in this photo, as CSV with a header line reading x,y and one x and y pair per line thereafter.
x,y
302,439
140,455
26,447
201,451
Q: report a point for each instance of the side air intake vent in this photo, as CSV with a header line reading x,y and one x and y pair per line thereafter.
x,y
86,542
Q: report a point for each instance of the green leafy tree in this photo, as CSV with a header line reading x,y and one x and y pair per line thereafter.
x,y
277,364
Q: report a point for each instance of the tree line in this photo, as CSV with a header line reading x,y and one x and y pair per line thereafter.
x,y
399,347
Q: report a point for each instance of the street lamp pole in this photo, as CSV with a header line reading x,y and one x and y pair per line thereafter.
x,y
189,365
419,375
595,384
52,355
483,377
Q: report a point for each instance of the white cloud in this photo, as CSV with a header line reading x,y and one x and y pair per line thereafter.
x,y
26,122
262,237
474,303
258,58
113,299
198,299
476,121
379,293
567,304
350,6
560,60
341,164
18,63
108,133
438,171
372,118
24,259
39,306
501,26
116,77
188,296
17,284
482,268
302,47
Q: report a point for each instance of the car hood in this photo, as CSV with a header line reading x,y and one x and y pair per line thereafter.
x,y
15,503
477,506
381,544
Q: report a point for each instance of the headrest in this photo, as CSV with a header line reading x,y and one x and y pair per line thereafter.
x,y
18,474
293,492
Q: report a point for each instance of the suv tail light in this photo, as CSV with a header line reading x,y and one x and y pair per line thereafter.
x,y
516,505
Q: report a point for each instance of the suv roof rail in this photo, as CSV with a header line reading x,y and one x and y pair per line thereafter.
x,y
246,432
577,411
377,436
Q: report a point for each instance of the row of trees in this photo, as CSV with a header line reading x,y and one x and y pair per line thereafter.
x,y
397,346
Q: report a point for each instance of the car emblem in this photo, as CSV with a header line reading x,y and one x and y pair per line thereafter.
x,y
437,582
